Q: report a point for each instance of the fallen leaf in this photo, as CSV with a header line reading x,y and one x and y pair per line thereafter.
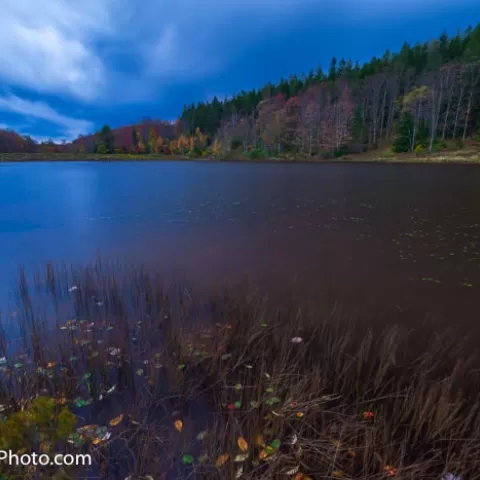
x,y
300,414
263,454
241,457
51,364
337,474
202,435
188,459
178,425
293,470
239,472
275,444
297,340
222,460
116,421
242,444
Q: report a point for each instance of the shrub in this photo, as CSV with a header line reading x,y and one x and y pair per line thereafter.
x,y
419,149
257,154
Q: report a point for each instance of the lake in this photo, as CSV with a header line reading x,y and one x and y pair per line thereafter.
x,y
397,238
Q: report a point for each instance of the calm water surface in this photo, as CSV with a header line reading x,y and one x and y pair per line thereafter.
x,y
406,237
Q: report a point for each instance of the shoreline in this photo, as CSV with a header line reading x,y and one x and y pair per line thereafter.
x,y
466,156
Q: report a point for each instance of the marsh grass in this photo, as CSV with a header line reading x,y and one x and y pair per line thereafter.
x,y
219,390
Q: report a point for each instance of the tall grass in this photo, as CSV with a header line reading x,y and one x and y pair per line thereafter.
x,y
234,386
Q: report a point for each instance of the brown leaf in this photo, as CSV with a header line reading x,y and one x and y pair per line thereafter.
x,y
117,420
178,425
222,460
242,444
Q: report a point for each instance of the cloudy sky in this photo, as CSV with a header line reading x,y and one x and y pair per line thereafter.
x,y
69,66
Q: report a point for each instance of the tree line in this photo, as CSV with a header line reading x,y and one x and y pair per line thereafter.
x,y
417,99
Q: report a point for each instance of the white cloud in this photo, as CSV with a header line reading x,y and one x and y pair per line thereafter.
x,y
72,127
47,46
117,51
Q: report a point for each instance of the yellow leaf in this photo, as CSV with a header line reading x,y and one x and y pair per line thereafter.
x,y
116,421
96,441
178,425
263,454
222,460
51,364
337,474
300,414
242,444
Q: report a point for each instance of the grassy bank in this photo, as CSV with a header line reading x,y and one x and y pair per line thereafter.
x,y
162,385
468,155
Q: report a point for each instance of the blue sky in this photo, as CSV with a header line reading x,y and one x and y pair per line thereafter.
x,y
69,66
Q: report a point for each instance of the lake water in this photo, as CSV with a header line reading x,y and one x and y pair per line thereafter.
x,y
400,237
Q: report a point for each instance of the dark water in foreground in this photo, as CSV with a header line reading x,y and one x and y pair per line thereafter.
x,y
398,237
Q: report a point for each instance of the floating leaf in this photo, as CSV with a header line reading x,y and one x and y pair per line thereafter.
x,y
87,376
51,364
188,459
254,404
181,366
300,414
293,470
114,351
276,444
116,421
222,460
238,386
337,474
238,404
239,472
269,390
297,340
203,458
140,372
263,454
241,457
178,425
202,435
242,444
368,415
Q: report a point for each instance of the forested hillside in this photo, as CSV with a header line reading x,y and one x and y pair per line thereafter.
x,y
418,99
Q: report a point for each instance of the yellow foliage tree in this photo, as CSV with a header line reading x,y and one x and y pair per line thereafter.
x,y
216,147
152,140
159,142
182,144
